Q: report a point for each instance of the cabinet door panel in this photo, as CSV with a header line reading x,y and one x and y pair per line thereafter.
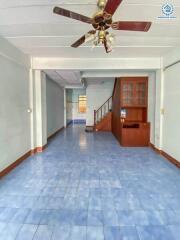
x,y
140,93
127,93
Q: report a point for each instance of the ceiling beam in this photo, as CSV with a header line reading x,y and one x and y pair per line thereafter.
x,y
94,64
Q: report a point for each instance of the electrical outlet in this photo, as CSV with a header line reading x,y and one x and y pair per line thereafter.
x,y
162,111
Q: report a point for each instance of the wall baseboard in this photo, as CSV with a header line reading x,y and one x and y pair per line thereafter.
x,y
54,134
26,155
38,150
15,164
21,159
167,156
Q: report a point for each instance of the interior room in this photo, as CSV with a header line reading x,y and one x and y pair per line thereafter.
x,y
89,120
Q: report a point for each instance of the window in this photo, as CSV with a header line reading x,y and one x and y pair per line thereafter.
x,y
82,103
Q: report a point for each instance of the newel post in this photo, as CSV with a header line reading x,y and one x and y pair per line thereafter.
x,y
94,117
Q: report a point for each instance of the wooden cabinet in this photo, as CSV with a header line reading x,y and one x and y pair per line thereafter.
x,y
129,116
134,92
135,135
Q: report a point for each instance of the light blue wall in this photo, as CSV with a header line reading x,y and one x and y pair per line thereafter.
x,y
15,137
55,106
72,114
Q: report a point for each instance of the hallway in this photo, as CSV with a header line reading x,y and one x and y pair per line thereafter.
x,y
85,187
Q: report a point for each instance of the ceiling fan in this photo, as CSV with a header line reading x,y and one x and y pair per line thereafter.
x,y
101,21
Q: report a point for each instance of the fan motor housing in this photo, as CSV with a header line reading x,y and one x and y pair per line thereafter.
x,y
101,21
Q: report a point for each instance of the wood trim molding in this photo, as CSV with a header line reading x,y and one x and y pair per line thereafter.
x,y
171,159
14,164
26,155
54,134
154,148
21,159
38,150
167,156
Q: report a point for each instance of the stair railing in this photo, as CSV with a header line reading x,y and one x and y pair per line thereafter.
x,y
102,111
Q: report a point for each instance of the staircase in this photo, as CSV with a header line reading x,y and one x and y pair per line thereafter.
x,y
103,116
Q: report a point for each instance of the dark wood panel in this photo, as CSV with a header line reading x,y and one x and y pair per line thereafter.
x,y
136,137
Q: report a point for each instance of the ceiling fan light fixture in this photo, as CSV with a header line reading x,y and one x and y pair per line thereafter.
x,y
90,37
101,36
95,42
101,4
111,38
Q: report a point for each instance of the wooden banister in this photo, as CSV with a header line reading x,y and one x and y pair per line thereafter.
x,y
105,108
102,111
115,83
104,104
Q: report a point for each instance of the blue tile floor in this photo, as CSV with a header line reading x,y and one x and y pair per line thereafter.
x,y
84,186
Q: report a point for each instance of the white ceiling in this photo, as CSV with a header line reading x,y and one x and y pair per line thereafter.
x,y
98,80
31,26
65,78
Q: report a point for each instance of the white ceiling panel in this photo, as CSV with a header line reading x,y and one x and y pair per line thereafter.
x,y
65,78
31,26
44,14
22,3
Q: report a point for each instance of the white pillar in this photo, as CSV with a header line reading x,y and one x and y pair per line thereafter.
x,y
159,115
65,121
31,108
38,105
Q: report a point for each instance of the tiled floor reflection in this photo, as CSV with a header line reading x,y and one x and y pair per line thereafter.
x,y
86,187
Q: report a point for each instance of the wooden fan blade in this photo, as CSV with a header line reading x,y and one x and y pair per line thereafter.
x,y
79,42
131,26
73,15
111,6
82,39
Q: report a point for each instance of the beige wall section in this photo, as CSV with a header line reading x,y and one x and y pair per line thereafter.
x,y
14,104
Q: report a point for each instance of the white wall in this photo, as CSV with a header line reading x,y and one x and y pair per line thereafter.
x,y
14,103
55,106
171,118
97,95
